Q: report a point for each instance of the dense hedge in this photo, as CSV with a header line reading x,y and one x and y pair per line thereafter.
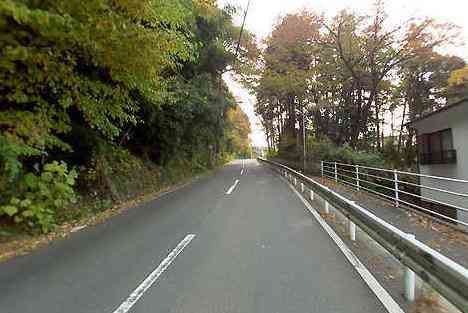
x,y
83,82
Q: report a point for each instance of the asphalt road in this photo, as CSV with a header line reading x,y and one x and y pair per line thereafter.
x,y
255,250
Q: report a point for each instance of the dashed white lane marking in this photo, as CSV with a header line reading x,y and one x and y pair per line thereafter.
x,y
149,281
232,187
382,294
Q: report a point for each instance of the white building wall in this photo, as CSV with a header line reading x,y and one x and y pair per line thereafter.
x,y
455,118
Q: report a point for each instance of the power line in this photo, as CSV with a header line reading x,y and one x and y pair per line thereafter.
x,y
242,28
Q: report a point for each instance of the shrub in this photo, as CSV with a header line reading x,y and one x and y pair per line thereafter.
x,y
110,171
10,164
39,197
324,149
320,149
272,153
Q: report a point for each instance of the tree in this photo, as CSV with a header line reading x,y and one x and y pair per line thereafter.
x,y
370,51
79,78
423,87
348,73
238,130
283,77
458,83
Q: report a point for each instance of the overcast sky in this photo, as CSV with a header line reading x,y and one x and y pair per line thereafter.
x,y
263,14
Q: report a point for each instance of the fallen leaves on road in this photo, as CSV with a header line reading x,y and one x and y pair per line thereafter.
x,y
427,304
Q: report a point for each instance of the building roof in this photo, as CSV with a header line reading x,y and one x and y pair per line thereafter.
x,y
443,109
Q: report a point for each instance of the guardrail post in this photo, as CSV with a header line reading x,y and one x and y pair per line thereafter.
x,y
336,173
327,207
410,280
357,177
302,187
321,167
311,195
395,178
352,227
352,230
295,181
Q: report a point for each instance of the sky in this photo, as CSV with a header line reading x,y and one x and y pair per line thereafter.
x,y
263,14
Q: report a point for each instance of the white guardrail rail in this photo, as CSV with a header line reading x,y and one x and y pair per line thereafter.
x,y
403,188
447,277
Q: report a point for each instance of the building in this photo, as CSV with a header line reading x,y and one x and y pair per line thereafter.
x,y
442,139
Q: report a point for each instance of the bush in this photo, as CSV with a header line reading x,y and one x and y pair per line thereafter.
x,y
324,149
41,196
271,153
320,149
111,172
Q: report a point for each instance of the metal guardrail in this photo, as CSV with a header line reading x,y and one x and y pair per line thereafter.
x,y
391,185
449,278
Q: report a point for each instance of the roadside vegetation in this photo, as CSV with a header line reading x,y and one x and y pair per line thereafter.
x,y
103,100
357,78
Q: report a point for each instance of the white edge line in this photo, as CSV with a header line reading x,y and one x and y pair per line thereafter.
x,y
385,298
149,281
78,228
232,187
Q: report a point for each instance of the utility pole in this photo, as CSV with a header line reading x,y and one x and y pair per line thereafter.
x,y
303,138
242,28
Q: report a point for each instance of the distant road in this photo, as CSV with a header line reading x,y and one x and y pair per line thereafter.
x,y
228,243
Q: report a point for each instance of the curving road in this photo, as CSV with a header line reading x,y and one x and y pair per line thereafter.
x,y
242,247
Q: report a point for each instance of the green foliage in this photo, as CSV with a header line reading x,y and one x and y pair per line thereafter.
x,y
95,83
62,60
458,82
108,169
237,132
324,149
271,153
41,196
399,159
346,74
113,160
10,165
321,149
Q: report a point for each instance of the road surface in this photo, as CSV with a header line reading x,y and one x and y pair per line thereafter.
x,y
249,246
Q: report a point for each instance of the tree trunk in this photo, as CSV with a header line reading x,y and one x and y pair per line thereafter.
x,y
377,124
400,135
